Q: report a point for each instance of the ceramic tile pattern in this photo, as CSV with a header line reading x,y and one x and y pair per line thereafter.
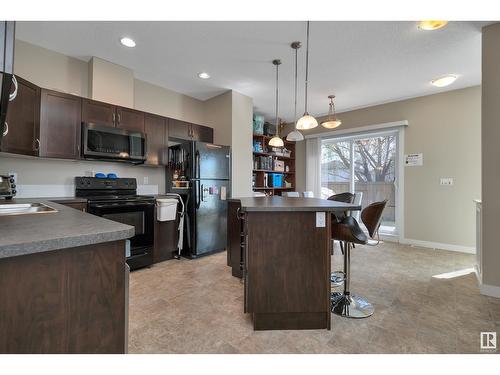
x,y
196,306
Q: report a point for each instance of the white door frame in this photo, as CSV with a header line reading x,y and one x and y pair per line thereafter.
x,y
375,131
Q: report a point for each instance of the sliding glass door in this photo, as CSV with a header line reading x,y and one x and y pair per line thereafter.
x,y
366,165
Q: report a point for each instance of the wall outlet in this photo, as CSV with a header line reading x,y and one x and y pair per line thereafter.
x,y
89,173
320,219
14,175
446,181
145,180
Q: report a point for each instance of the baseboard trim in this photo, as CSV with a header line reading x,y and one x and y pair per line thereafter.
x,y
490,290
438,246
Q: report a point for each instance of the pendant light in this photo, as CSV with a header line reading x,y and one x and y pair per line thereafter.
x,y
307,121
295,135
276,141
332,122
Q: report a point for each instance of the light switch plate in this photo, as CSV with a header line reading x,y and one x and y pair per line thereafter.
x,y
446,181
320,219
146,180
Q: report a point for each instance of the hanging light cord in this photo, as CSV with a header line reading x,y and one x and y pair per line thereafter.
x,y
307,65
277,94
295,104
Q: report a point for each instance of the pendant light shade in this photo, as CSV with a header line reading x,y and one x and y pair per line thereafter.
x,y
307,121
276,141
332,122
295,135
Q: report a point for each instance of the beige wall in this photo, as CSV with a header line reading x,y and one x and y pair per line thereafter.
x,y
50,69
111,83
218,115
164,102
242,128
446,129
491,155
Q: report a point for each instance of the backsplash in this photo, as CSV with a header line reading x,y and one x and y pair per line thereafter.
x,y
37,177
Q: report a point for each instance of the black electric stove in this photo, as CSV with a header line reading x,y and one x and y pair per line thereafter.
x,y
117,199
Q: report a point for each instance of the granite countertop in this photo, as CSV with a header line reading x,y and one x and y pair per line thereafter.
x,y
35,233
278,204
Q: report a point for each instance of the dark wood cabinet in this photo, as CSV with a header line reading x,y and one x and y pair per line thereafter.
x,y
47,123
23,117
179,129
202,133
191,132
129,119
156,129
60,124
98,112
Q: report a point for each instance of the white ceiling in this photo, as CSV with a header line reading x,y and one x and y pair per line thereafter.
x,y
362,63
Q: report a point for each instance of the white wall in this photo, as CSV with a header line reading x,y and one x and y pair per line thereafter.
x,y
446,128
111,83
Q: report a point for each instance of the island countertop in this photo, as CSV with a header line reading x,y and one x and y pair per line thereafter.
x,y
66,228
280,204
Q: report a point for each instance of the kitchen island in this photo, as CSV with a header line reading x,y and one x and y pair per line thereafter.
x,y
63,282
285,259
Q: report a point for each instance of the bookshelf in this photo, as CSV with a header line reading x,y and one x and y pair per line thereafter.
x,y
264,163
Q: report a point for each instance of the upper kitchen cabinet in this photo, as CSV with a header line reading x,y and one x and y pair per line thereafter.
x,y
23,117
60,124
191,132
156,129
179,129
98,112
129,119
202,133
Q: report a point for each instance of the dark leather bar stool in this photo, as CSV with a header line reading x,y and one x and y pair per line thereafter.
x,y
337,277
349,232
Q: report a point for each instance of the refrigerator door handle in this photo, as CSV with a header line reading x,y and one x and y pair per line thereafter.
x,y
197,162
198,194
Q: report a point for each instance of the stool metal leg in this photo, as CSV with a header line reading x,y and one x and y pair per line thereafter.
x,y
346,304
337,277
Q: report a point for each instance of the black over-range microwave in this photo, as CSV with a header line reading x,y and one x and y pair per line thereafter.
x,y
100,142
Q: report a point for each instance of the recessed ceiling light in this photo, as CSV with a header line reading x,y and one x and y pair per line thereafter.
x,y
127,42
444,81
204,75
431,25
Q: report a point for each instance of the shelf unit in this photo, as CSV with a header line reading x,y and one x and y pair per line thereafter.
x,y
289,162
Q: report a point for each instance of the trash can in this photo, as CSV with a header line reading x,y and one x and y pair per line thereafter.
x,y
166,209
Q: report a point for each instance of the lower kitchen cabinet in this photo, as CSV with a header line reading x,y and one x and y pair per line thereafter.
x,y
60,124
156,129
23,118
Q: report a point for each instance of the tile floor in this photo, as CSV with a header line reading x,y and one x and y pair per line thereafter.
x,y
196,306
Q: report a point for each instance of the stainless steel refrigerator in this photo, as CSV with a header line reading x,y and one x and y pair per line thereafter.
x,y
207,167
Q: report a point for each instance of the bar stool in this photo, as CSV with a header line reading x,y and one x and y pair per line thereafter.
x,y
337,277
348,231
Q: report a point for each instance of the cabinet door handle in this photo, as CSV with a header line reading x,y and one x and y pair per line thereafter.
x,y
119,118
13,95
5,129
37,144
114,118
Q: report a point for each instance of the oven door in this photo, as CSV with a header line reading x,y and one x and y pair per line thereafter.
x,y
139,214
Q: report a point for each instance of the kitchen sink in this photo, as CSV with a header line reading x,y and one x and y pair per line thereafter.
x,y
25,208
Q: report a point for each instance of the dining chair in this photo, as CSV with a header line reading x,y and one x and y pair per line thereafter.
x,y
308,194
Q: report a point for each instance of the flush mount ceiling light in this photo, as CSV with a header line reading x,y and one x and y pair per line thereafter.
x,y
204,75
127,42
431,25
276,141
332,122
444,80
306,121
295,135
